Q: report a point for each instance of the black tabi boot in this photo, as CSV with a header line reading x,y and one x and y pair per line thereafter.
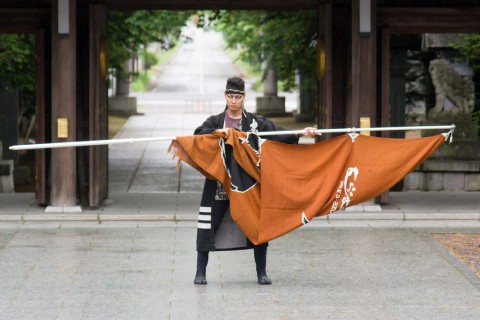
x,y
260,253
202,261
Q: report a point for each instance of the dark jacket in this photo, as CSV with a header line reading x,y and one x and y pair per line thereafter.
x,y
216,229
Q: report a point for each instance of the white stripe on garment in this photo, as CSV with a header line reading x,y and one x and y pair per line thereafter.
x,y
204,225
204,217
206,209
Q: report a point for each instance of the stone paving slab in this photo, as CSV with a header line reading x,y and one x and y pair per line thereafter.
x,y
416,208
122,270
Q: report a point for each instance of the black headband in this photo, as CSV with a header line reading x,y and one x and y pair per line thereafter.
x,y
233,91
235,85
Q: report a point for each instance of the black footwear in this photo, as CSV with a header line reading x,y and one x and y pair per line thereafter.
x,y
264,279
200,278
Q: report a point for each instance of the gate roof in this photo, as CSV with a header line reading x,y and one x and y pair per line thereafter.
x,y
243,4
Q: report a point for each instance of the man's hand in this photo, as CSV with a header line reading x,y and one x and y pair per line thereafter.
x,y
311,132
224,130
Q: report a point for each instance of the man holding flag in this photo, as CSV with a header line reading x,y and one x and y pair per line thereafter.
x,y
216,229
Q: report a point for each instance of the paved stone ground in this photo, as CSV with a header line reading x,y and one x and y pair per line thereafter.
x,y
132,270
358,265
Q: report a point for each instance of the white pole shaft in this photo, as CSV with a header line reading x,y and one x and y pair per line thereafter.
x,y
54,145
351,130
265,133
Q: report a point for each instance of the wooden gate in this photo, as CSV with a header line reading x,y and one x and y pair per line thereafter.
x,y
97,104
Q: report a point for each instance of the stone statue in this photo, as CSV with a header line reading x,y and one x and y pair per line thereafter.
x,y
454,93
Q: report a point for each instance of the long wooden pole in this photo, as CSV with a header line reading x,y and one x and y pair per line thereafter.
x,y
264,133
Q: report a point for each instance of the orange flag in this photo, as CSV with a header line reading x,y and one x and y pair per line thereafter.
x,y
275,188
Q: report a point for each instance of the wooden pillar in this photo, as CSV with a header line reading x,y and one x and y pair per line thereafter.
x,y
40,91
385,93
363,97
324,66
334,86
63,160
363,64
98,114
385,81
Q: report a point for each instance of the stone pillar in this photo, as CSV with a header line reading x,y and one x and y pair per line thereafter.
x,y
123,83
121,103
6,174
308,99
270,104
270,88
63,194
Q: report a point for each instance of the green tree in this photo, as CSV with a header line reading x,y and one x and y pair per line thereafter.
x,y
285,41
469,48
17,61
129,31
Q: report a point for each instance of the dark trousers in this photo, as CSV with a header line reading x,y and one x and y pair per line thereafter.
x,y
259,253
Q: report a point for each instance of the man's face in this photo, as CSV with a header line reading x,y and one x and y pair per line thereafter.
x,y
234,101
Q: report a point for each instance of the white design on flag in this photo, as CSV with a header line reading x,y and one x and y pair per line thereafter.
x,y
221,144
254,126
206,209
223,153
260,142
347,187
204,225
304,218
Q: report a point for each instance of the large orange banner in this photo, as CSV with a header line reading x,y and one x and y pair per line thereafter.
x,y
275,188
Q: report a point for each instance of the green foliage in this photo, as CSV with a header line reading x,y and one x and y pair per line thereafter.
x,y
150,59
285,41
141,82
469,48
476,118
17,61
252,69
129,31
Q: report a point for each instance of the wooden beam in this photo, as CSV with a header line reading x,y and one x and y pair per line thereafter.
x,y
24,20
212,4
424,20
